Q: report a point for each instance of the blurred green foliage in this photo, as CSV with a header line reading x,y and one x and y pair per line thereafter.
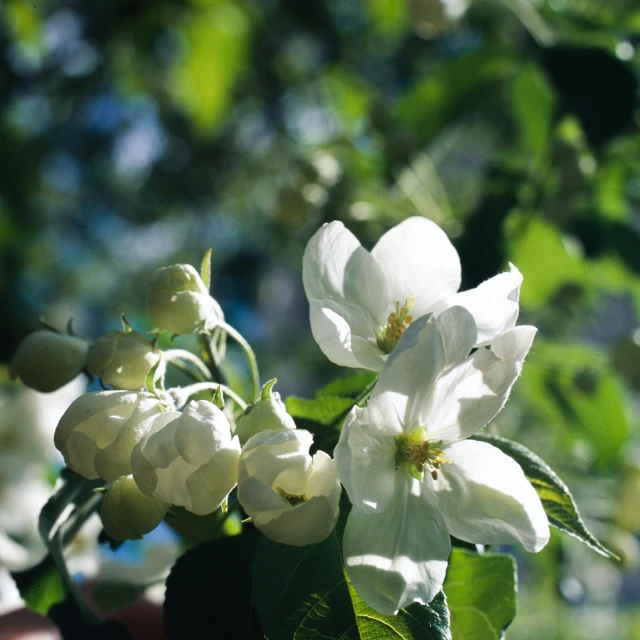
x,y
136,133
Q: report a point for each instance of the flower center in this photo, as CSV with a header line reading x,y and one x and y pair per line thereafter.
x,y
397,324
418,453
293,499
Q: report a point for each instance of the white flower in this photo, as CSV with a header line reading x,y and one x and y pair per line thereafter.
x,y
411,476
267,414
361,303
127,514
179,301
46,360
97,433
188,459
122,359
291,497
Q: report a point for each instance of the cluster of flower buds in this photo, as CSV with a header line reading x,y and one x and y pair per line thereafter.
x,y
156,448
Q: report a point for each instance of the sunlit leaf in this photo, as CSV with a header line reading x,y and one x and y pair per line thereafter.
x,y
481,594
324,409
41,586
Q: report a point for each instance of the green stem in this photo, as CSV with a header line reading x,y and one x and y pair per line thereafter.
x,y
172,355
210,360
251,356
181,394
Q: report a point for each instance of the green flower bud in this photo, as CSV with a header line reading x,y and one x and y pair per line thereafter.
x,y
121,359
267,414
46,360
127,514
178,300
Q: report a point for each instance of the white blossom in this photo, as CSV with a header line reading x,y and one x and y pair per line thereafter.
x,y
97,433
361,303
178,300
188,458
122,359
412,477
291,496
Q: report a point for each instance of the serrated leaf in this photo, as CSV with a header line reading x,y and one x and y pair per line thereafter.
x,y
304,593
556,498
324,409
481,594
205,268
209,591
41,586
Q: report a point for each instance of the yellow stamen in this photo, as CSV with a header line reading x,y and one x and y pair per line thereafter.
x,y
397,323
420,453
293,499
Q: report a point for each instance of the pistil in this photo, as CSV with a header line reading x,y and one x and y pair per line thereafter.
x,y
397,323
420,453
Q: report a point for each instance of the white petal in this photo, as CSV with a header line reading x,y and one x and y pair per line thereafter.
x,y
309,522
486,498
341,276
471,394
418,260
324,481
365,459
458,334
333,334
407,376
398,556
494,304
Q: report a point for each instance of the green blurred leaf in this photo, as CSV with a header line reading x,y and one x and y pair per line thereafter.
x,y
325,409
389,16
546,260
573,386
451,88
41,586
533,103
303,593
556,498
202,83
348,386
481,594
209,591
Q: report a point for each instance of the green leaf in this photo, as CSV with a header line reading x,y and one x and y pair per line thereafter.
x,y
304,593
41,586
556,498
481,594
209,591
325,409
205,268
348,386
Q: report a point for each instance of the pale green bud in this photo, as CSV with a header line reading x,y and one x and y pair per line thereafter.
x,y
46,360
121,359
268,413
127,514
178,300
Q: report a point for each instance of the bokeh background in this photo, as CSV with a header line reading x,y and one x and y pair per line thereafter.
x,y
136,134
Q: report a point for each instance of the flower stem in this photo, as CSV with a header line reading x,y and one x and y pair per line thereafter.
x,y
210,359
251,356
181,394
172,355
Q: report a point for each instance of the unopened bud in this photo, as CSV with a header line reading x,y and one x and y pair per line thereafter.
x,y
121,359
127,514
267,414
46,360
178,300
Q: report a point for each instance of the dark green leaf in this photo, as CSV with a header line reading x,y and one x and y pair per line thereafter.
x,y
209,591
205,268
324,409
113,595
556,498
41,586
303,593
481,594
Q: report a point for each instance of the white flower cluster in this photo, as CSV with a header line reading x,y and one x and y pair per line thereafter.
x,y
446,363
